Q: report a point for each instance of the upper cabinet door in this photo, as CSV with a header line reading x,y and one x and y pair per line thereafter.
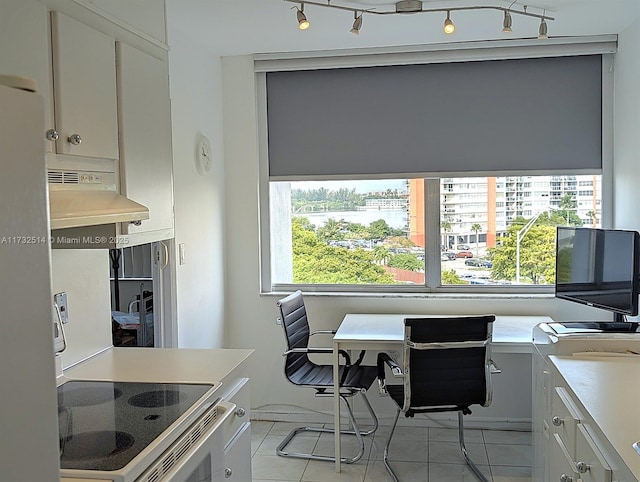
x,y
146,161
84,78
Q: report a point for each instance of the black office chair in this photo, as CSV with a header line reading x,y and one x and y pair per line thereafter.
x,y
447,367
301,371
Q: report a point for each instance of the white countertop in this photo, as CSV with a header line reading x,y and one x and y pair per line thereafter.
x,y
608,389
159,365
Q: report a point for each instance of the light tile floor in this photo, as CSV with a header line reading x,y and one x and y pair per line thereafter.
x,y
416,454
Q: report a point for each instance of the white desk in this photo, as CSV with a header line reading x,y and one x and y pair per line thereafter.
x,y
385,332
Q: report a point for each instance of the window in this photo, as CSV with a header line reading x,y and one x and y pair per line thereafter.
x,y
375,232
368,190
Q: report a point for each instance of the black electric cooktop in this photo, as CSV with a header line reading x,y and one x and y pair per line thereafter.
x,y
567,327
104,425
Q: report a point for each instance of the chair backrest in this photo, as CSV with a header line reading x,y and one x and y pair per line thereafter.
x,y
293,316
446,362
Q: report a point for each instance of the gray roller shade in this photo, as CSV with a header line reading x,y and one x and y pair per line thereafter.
x,y
508,116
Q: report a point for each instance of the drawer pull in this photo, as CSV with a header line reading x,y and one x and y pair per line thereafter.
x,y
75,139
52,135
566,478
556,421
241,412
227,473
582,467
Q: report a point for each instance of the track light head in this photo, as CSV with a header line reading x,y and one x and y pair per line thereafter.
x,y
357,24
448,27
303,23
507,22
542,31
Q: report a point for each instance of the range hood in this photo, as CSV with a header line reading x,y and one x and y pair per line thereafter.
x,y
83,198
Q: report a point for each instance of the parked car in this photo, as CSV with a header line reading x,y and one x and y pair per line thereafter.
x,y
463,247
464,254
448,256
480,263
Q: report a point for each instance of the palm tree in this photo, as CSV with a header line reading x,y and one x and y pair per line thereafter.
x,y
381,254
446,227
592,215
476,228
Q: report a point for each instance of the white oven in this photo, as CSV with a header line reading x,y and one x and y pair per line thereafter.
x,y
203,460
141,432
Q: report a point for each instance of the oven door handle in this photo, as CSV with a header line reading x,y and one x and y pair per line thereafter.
x,y
211,442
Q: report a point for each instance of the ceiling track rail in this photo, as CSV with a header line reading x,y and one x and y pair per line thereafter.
x,y
373,11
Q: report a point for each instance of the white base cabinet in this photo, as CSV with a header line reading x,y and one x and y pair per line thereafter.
x,y
237,432
570,445
236,455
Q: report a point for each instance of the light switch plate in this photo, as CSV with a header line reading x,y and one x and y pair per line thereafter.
x,y
181,254
63,307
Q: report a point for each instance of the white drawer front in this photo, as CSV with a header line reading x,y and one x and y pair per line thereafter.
x,y
589,461
562,467
564,419
240,397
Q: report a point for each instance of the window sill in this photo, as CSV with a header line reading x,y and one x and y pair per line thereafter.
x,y
449,295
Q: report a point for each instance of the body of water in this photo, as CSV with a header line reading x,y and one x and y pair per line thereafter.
x,y
396,218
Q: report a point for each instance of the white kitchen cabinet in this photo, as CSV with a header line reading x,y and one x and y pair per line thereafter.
x,y
24,46
575,452
561,465
590,462
144,122
578,450
237,431
541,416
237,456
84,80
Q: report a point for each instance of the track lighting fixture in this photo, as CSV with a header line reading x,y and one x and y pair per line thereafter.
x,y
403,7
542,31
357,24
303,23
507,22
448,27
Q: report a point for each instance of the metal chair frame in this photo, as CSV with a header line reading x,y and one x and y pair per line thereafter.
x,y
324,389
462,408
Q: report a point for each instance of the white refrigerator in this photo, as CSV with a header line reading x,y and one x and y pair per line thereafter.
x,y
28,405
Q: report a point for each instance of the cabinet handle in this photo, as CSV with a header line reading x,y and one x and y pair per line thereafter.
x,y
227,473
75,139
582,467
52,135
566,478
241,412
557,421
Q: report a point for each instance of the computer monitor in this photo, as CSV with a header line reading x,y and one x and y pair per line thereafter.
x,y
599,268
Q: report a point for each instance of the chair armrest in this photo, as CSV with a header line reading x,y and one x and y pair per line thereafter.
x,y
385,359
493,368
319,350
391,363
323,332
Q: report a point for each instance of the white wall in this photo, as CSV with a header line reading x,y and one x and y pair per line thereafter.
x,y
199,200
627,130
84,275
251,316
